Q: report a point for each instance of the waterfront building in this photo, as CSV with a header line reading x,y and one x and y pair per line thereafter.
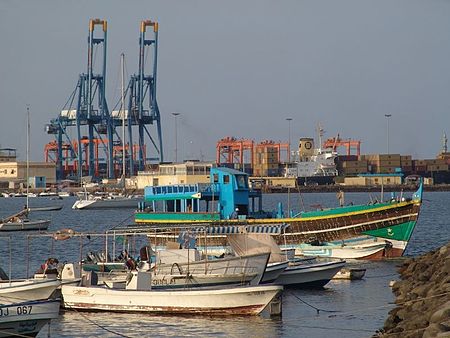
x,y
189,172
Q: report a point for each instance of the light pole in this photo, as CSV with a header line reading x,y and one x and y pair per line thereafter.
x,y
387,130
289,119
175,115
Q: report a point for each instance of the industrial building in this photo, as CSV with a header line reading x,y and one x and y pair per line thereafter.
x,y
14,174
189,172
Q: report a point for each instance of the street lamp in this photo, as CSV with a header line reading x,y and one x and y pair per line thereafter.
x,y
175,115
289,119
387,130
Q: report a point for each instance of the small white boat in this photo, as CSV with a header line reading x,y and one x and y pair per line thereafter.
x,y
362,249
110,202
26,290
24,224
47,194
350,274
309,273
64,194
241,270
47,208
138,297
26,319
186,281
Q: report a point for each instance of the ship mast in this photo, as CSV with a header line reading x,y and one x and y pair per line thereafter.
x,y
320,133
444,143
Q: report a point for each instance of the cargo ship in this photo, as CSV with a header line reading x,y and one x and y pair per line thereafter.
x,y
315,166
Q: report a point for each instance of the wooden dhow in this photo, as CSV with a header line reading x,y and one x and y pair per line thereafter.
x,y
392,222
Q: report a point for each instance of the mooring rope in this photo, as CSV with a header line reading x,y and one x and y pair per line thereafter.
x,y
96,324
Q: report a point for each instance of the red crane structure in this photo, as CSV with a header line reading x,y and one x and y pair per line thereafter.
x,y
262,146
230,150
349,144
70,165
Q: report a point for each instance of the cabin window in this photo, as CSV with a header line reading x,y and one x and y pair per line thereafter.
x,y
216,178
226,179
241,182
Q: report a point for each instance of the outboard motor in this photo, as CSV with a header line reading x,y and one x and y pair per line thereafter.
x,y
71,271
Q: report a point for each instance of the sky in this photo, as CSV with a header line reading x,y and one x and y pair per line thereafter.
x,y
240,68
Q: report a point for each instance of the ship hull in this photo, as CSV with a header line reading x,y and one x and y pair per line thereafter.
x,y
392,222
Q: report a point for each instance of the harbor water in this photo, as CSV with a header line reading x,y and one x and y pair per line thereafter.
x,y
342,309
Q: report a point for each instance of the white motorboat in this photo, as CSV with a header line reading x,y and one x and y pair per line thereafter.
x,y
14,291
26,319
350,274
364,248
24,224
109,202
64,194
185,281
138,297
309,273
179,273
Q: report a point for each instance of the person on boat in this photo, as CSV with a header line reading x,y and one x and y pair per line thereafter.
x,y
340,197
235,214
49,267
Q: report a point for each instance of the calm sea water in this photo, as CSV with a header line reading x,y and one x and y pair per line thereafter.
x,y
345,308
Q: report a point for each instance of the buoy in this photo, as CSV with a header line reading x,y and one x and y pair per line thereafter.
x,y
63,234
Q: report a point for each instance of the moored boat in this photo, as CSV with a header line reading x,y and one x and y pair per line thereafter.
x,y
192,274
362,248
26,319
309,274
24,224
13,291
108,202
350,273
391,221
273,270
138,297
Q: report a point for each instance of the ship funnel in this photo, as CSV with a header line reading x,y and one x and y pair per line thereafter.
x,y
305,148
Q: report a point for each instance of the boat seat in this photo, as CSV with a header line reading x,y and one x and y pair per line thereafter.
x,y
90,278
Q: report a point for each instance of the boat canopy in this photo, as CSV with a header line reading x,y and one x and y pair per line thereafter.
x,y
173,192
243,229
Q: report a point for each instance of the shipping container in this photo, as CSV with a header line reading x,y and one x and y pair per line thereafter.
x,y
437,167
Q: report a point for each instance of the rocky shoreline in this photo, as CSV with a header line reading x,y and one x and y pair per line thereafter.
x,y
422,298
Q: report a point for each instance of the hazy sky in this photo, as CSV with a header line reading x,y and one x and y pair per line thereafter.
x,y
240,68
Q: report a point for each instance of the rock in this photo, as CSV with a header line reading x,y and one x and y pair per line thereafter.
x,y
431,331
423,298
443,314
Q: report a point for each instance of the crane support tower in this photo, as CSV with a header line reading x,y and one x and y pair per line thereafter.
x,y
142,103
91,111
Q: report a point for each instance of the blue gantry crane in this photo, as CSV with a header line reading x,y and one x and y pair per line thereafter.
x,y
87,110
91,111
142,103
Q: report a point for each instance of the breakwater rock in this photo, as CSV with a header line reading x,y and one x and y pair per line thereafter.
x,y
423,297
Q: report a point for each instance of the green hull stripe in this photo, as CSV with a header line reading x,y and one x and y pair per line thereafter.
x,y
400,232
